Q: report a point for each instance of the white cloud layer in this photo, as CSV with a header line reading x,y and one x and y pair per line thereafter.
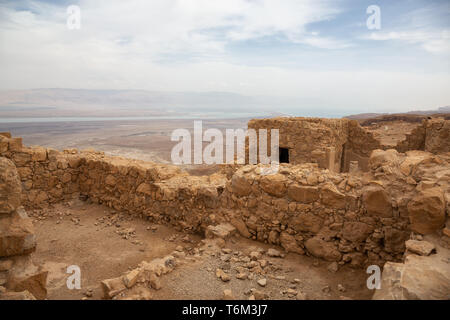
x,y
181,45
431,41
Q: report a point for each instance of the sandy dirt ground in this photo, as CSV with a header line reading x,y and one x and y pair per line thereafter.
x,y
392,132
105,244
148,140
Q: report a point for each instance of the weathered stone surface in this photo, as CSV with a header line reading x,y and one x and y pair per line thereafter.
x,y
10,188
112,287
158,266
332,197
144,188
24,275
262,282
308,222
131,278
413,158
273,253
427,211
437,138
303,194
274,185
10,295
38,154
356,231
5,264
21,158
357,259
420,277
377,202
240,185
322,249
259,295
3,144
241,227
110,180
15,144
16,235
220,274
383,157
289,243
154,282
394,240
223,231
228,295
299,202
423,248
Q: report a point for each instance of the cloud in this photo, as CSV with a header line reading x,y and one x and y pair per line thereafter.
x,y
437,42
199,26
184,45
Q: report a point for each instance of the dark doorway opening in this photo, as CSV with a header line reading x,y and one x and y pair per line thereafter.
x,y
284,155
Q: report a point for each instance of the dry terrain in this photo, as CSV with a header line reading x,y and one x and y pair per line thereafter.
x,y
105,243
145,230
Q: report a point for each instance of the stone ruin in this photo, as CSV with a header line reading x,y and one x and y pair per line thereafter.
x,y
342,145
312,206
18,274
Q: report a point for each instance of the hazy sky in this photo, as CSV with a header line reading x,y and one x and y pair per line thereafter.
x,y
313,53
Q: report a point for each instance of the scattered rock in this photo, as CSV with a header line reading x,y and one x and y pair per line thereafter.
x,y
228,295
273,253
419,277
322,249
259,295
423,248
112,287
427,211
254,255
222,275
377,202
262,282
223,231
333,267
154,282
23,295
289,243
130,278
241,276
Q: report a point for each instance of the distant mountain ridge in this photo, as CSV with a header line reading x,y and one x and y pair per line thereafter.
x,y
84,102
362,116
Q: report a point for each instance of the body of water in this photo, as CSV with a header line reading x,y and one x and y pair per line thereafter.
x,y
83,119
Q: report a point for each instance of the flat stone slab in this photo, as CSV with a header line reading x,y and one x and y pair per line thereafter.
x,y
422,248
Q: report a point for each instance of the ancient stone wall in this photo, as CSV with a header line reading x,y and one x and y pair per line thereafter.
x,y
433,135
348,218
437,138
334,143
414,140
331,143
18,274
309,140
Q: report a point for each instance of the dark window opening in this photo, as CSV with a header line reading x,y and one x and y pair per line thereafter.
x,y
284,155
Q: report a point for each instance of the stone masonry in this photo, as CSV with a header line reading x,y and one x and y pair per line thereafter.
x,y
335,143
356,218
20,277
